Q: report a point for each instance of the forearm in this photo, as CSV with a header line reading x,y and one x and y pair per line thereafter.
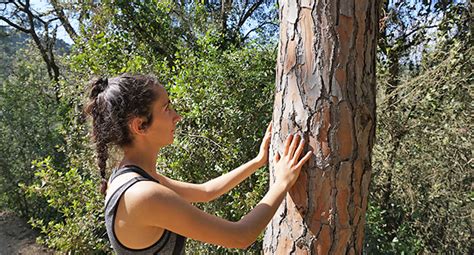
x,y
255,221
222,184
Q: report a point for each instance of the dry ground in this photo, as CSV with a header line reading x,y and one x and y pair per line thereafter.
x,y
16,237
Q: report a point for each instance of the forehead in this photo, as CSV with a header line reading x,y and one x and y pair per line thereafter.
x,y
162,93
163,97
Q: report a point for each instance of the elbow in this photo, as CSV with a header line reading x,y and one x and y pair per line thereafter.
x,y
244,238
207,198
245,244
208,193
238,235
240,243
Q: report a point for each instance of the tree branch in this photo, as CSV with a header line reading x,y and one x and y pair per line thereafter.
x,y
187,34
4,6
256,28
64,20
22,29
51,20
416,30
45,44
249,13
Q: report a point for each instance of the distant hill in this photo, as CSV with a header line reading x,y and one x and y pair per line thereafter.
x,y
12,40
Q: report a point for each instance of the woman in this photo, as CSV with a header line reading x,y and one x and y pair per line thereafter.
x,y
148,213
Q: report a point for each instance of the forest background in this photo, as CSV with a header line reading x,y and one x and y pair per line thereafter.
x,y
217,59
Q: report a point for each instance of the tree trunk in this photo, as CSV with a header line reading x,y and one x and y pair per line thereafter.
x,y
325,91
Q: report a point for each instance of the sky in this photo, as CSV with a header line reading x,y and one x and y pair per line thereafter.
x,y
43,5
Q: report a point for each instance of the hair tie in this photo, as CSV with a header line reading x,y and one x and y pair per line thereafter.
x,y
98,86
103,83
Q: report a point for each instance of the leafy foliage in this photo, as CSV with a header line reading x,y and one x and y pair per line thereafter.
x,y
218,93
221,82
225,101
429,168
29,122
73,197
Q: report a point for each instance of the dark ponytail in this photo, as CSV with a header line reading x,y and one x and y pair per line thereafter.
x,y
101,148
95,108
112,102
102,155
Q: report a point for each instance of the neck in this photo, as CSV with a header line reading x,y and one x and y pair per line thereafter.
x,y
144,157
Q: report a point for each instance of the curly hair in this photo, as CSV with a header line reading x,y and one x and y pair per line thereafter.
x,y
112,103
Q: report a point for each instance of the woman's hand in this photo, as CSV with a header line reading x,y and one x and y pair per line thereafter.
x,y
262,157
288,167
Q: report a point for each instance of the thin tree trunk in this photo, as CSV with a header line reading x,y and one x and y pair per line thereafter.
x,y
64,19
325,90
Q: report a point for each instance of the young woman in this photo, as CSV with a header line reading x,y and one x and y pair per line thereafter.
x,y
148,213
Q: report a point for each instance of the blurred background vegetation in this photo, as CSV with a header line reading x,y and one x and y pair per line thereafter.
x,y
217,60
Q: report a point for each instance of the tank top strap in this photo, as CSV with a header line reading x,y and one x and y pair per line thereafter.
x,y
131,169
115,196
168,243
111,207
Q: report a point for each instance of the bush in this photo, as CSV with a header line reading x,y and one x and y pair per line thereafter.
x,y
225,99
79,226
30,118
423,158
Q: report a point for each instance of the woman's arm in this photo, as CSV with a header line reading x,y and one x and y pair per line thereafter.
x,y
156,205
164,208
222,184
214,188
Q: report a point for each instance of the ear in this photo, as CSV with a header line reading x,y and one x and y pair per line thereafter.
x,y
136,126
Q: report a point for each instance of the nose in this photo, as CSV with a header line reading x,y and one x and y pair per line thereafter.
x,y
177,117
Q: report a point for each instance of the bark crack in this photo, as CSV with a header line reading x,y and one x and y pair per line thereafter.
x,y
340,85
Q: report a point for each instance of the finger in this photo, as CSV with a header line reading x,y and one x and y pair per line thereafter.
x,y
266,143
306,157
268,133
269,128
267,136
287,144
277,157
299,150
293,145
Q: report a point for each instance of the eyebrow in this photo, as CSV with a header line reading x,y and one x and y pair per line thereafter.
x,y
167,103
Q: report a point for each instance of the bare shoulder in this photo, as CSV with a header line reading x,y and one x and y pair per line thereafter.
x,y
150,188
145,197
155,205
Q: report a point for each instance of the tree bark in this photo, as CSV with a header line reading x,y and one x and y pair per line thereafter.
x,y
325,91
64,19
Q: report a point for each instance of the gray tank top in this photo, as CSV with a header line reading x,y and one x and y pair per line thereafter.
x,y
169,242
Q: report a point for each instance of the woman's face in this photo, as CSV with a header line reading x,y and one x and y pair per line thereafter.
x,y
161,130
